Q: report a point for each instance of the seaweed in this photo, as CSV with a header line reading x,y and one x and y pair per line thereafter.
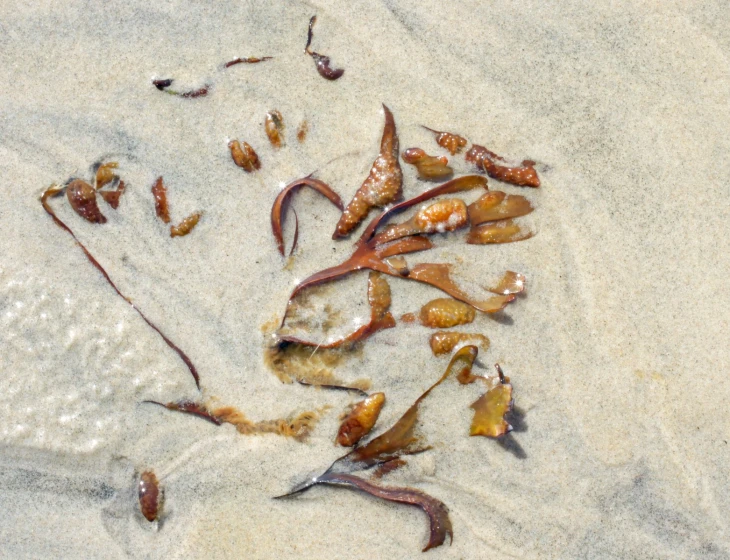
x,y
150,495
361,419
503,231
298,426
274,128
280,204
431,168
401,439
388,467
249,60
186,226
449,141
522,175
82,198
244,156
491,408
496,205
442,313
159,192
444,342
321,62
302,131
164,84
382,186
55,190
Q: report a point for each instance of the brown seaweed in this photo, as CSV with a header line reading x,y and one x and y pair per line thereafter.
x,y
150,495
503,231
522,176
280,204
439,217
244,156
321,62
163,86
444,342
104,173
361,419
431,168
159,192
274,128
112,197
510,283
186,226
249,60
388,467
449,141
436,510
382,186
54,191
82,198
401,439
496,205
298,426
443,313
491,408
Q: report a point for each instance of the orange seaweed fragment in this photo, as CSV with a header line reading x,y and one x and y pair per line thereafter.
x,y
159,192
444,342
510,283
105,174
522,176
382,186
449,141
496,205
491,408
274,127
429,167
503,231
186,226
439,217
361,419
244,156
302,131
249,60
442,313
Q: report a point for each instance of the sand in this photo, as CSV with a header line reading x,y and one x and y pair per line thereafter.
x,y
616,353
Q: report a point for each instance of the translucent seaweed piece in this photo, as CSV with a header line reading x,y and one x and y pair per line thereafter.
x,y
159,192
442,313
503,231
82,198
150,495
274,127
244,156
522,176
449,141
495,205
430,168
444,342
491,408
186,226
439,217
510,283
361,419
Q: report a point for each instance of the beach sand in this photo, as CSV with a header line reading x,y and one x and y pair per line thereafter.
x,y
616,351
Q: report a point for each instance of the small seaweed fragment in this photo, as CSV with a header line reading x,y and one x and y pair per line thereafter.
x,y
503,231
112,197
282,199
436,510
449,141
150,495
274,127
189,407
55,190
159,192
491,408
444,342
382,186
361,419
82,198
442,313
245,156
522,176
302,131
321,62
186,226
163,85
104,173
249,60
496,205
429,167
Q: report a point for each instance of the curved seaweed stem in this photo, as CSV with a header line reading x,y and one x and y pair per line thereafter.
x,y
52,191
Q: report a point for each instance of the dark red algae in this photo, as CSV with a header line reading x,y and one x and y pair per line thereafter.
x,y
321,62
